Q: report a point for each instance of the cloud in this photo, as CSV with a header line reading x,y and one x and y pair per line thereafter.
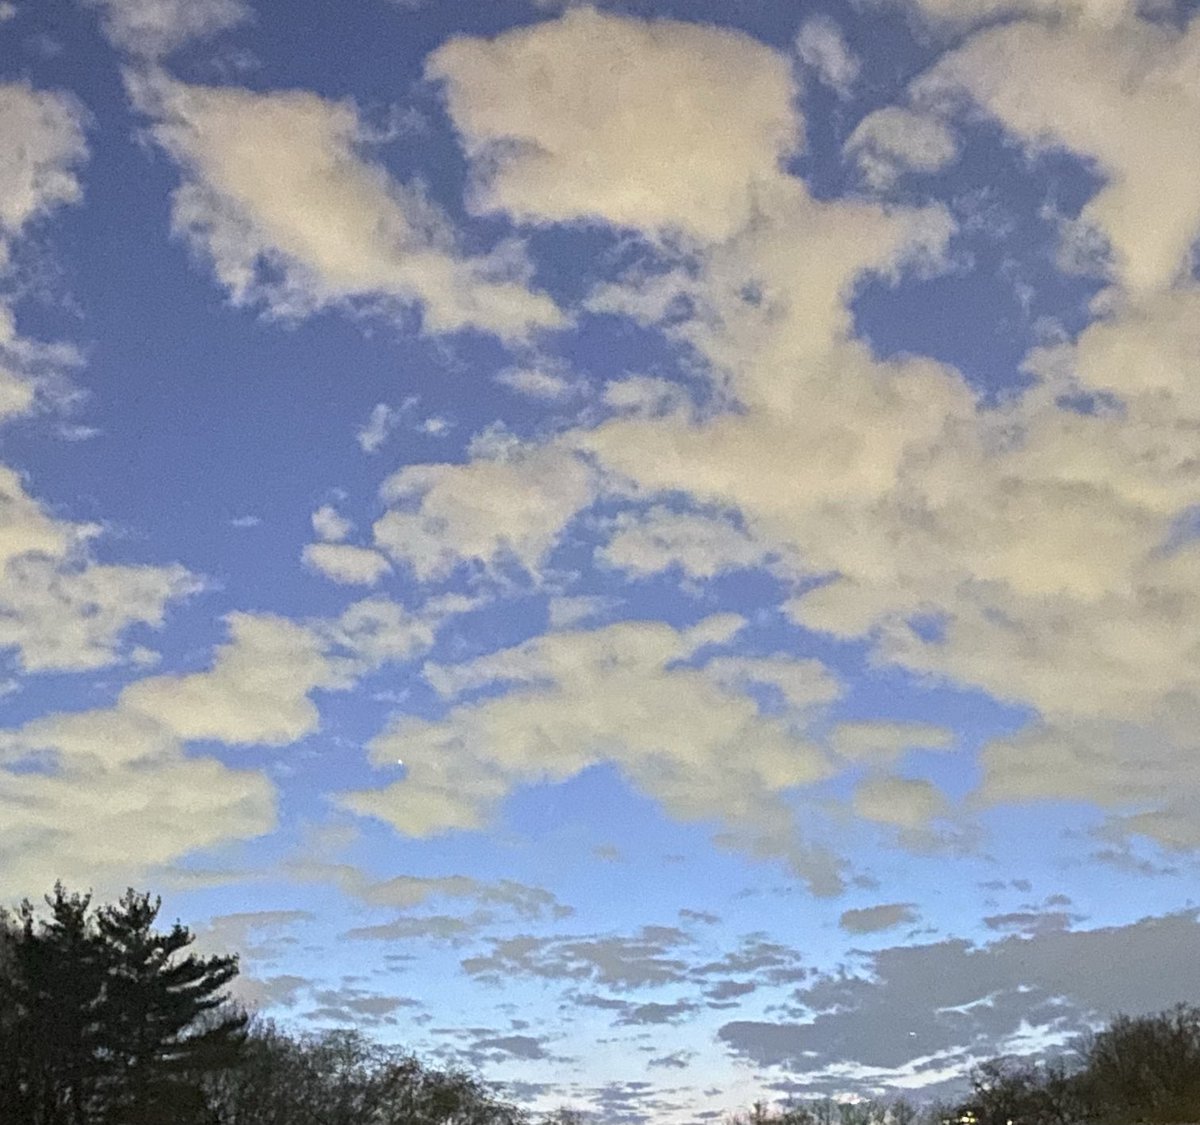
x,y
920,1013
872,919
880,743
101,797
280,196
1125,99
618,962
657,539
654,125
330,525
823,49
256,692
1105,13
893,140
685,736
349,565
507,503
62,610
117,799
42,144
407,891
899,801
149,29
383,420
540,382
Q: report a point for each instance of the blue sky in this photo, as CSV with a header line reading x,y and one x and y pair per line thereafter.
x,y
648,549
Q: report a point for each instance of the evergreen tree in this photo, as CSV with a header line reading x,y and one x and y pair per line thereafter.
x,y
153,1005
101,1022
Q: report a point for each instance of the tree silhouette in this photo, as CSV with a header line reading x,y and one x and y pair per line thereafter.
x,y
100,1023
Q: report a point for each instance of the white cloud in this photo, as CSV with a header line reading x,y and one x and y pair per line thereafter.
x,y
907,803
256,692
149,29
330,525
383,420
822,47
537,382
683,735
8,11
1125,98
59,609
349,565
893,140
880,742
42,143
106,825
511,502
657,539
280,196
1105,13
654,125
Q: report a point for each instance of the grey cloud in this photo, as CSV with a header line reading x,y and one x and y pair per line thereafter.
x,y
405,891
702,916
962,1000
677,1060
729,989
614,961
433,927
657,1013
1031,921
515,1046
872,919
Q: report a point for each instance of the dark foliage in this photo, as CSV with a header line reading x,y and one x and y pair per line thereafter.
x,y
100,1016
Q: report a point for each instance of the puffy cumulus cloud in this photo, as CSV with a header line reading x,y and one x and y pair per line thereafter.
x,y
822,47
60,610
1104,13
894,140
918,1015
540,381
1127,99
42,143
510,501
112,797
407,891
1022,549
659,538
901,802
152,28
280,195
872,919
682,735
345,563
330,525
655,125
881,742
99,796
257,690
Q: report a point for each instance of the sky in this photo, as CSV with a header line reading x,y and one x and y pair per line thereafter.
x,y
651,549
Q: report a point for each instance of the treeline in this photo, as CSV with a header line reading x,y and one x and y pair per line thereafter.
x,y
1143,1069
106,1020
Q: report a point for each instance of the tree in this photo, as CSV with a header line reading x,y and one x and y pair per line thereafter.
x,y
342,1078
99,1023
155,1043
51,990
1145,1068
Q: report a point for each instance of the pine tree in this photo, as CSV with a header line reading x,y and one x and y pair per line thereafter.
x,y
153,1012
